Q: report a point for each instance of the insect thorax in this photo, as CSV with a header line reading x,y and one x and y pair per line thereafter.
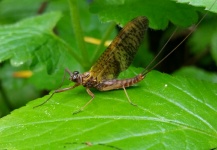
x,y
88,80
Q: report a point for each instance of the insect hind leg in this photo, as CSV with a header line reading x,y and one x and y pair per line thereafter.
x,y
82,108
125,91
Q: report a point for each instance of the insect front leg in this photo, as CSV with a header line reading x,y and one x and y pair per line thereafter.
x,y
57,91
82,108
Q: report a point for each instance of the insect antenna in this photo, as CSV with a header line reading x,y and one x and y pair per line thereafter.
x,y
146,70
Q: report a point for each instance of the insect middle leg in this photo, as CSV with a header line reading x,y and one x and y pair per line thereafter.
x,y
82,108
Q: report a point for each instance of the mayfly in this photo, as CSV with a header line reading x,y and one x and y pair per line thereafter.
x,y
115,59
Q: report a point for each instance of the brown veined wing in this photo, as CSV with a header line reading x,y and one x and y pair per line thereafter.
x,y
121,52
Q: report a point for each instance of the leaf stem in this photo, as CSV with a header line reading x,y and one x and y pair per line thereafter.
x,y
101,45
5,99
74,13
70,49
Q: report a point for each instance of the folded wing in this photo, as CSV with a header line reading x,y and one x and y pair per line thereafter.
x,y
121,52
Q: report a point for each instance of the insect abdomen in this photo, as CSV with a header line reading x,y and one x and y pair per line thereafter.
x,y
117,84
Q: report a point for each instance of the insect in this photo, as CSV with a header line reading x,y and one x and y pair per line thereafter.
x,y
116,58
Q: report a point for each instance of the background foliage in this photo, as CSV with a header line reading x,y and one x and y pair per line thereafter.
x,y
39,41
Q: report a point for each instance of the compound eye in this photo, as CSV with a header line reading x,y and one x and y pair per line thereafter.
x,y
75,72
75,75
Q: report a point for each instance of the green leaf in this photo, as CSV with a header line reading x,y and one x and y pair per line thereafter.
x,y
208,4
167,10
10,11
172,113
32,41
